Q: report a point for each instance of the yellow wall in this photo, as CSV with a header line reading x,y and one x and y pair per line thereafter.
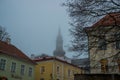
x,y
51,70
46,74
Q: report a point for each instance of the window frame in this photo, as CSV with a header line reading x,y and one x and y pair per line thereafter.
x,y
22,72
58,69
2,64
13,67
30,72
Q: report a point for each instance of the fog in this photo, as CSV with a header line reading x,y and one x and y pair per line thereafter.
x,y
33,24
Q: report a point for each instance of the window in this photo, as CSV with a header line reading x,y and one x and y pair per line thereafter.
x,y
58,69
68,72
104,65
117,38
42,69
30,71
2,64
22,69
102,45
13,67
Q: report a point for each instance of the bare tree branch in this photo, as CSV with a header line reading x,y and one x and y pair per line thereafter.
x,y
3,34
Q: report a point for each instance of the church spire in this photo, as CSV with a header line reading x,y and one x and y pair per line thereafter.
x,y
59,31
59,45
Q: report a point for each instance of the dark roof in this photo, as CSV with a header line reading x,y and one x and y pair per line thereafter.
x,y
11,50
108,20
53,58
41,56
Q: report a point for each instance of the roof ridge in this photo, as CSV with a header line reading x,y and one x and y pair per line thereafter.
x,y
13,51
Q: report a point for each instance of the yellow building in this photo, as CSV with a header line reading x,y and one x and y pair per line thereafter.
x,y
51,68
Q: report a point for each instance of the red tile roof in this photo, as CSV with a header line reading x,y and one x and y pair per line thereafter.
x,y
109,20
53,58
11,50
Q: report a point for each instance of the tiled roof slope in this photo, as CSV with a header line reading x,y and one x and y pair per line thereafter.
x,y
109,20
54,58
11,50
81,62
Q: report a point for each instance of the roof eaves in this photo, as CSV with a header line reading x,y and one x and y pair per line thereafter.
x,y
18,57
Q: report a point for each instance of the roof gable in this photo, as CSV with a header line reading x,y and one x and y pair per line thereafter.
x,y
53,58
11,50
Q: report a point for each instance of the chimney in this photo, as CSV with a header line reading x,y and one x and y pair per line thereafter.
x,y
8,40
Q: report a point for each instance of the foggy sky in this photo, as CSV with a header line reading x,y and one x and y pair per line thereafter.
x,y
33,24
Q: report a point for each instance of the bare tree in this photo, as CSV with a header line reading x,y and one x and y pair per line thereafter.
x,y
85,13
3,34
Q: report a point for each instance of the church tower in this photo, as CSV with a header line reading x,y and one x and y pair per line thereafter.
x,y
59,46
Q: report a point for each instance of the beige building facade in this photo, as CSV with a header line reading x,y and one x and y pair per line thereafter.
x,y
104,45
